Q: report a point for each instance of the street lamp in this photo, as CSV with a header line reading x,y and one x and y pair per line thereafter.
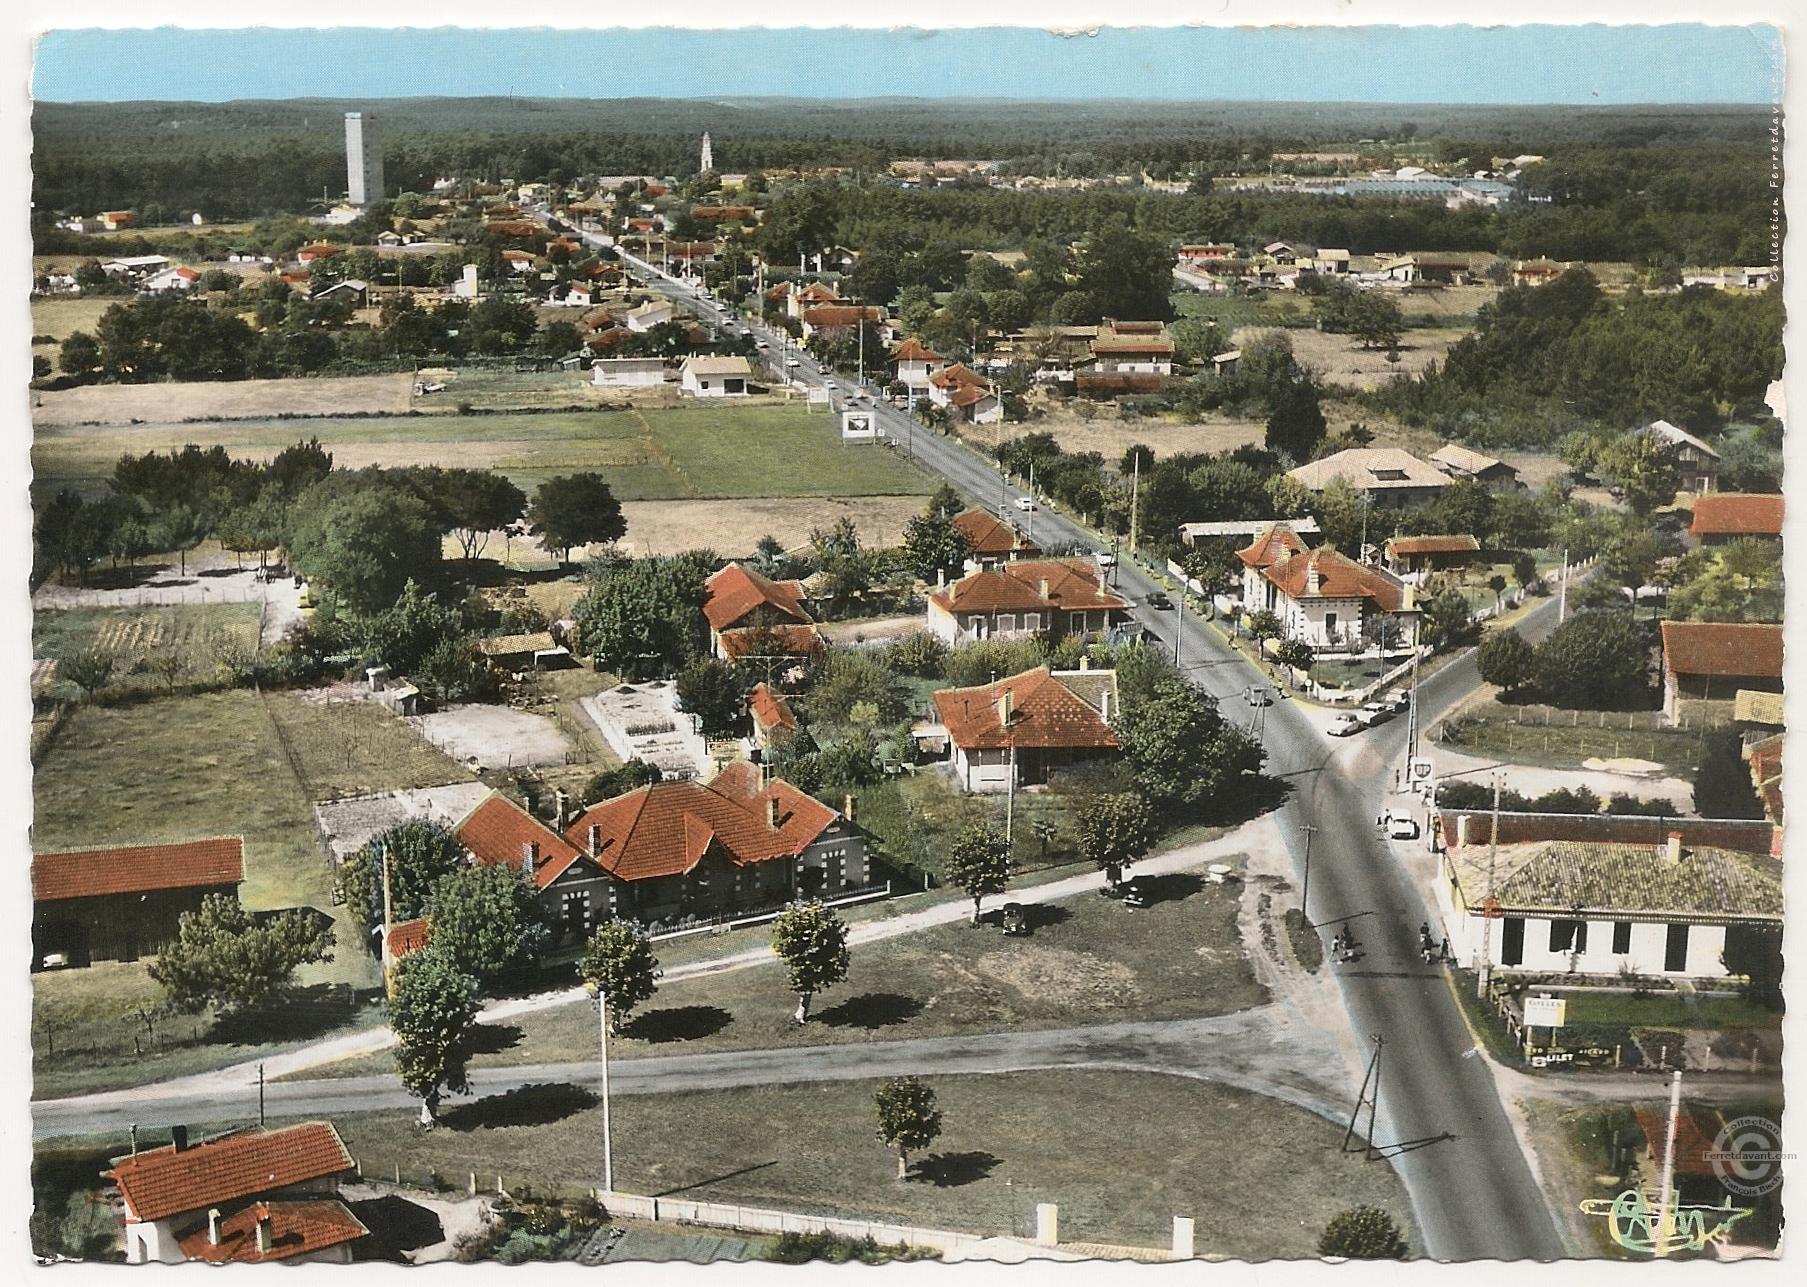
x,y
608,1151
1305,894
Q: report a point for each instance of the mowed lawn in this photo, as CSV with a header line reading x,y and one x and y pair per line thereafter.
x,y
193,633
1089,960
743,450
183,768
1121,1153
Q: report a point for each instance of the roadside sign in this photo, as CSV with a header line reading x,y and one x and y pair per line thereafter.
x,y
1545,1012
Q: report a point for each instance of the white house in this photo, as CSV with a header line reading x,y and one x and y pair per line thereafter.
x,y
1332,261
1389,475
1026,726
249,1196
1330,601
716,377
1024,598
1588,907
134,265
181,278
627,373
1141,348
916,365
650,314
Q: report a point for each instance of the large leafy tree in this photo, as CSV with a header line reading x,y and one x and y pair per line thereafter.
x,y
1594,660
225,957
364,537
619,780
1505,659
714,692
908,1120
1114,831
1643,467
419,852
619,965
644,617
1722,784
576,509
932,544
403,634
1127,274
469,503
433,1016
1181,749
812,942
487,920
979,862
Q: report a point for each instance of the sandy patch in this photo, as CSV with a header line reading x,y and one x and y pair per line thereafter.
x,y
1110,437
732,527
224,399
1058,974
1339,359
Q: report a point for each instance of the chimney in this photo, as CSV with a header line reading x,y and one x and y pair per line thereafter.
x,y
1006,707
530,854
1104,705
178,1136
561,808
847,806
213,1226
1085,661
1312,579
1674,850
1461,831
1045,598
771,812
941,578
264,1239
595,839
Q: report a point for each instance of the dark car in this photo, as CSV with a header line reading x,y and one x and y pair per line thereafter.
x,y
1159,602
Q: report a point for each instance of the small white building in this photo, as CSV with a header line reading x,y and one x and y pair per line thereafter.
x,y
135,265
916,365
652,313
180,279
1607,909
627,373
716,377
1326,599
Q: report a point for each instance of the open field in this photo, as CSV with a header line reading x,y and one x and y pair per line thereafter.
x,y
1106,1146
732,527
1519,735
62,316
486,390
1110,436
135,637
1089,960
170,403
1340,360
715,451
349,747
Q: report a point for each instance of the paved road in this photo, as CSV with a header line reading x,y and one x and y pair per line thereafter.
x,y
1472,1189
1257,1050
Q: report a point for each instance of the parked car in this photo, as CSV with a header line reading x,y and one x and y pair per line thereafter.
x,y
1400,700
1260,696
792,363
1345,724
1025,503
1400,825
1373,713
1159,602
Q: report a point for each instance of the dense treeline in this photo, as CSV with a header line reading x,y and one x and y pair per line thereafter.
x,y
1546,360
1648,184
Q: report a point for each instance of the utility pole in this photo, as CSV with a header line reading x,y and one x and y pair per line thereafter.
x,y
260,1093
1179,626
1665,1220
1562,589
1484,975
1305,894
1030,532
1135,481
1367,1097
608,1149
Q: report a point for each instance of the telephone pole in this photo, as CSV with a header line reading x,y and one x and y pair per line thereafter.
x,y
1562,589
1305,894
1665,1219
1367,1097
1484,975
1135,481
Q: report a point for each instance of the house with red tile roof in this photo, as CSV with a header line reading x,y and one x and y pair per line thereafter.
x,y
774,722
838,321
1723,517
1411,555
966,396
404,938
1764,757
739,841
916,365
1028,597
750,615
1023,728
572,890
1711,661
993,540
249,1196
1124,348
1271,544
798,298
1330,601
123,902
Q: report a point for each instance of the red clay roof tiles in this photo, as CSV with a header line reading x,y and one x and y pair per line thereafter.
x,y
160,1182
1722,649
296,1229
736,591
1737,514
133,869
1044,714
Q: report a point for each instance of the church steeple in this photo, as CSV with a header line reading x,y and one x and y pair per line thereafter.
x,y
706,161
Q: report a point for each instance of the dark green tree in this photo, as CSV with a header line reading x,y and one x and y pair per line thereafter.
x,y
908,1120
1595,660
227,958
1505,659
486,920
812,942
433,1016
418,852
576,509
978,861
1362,1233
619,966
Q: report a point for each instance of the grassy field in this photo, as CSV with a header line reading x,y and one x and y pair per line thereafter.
x,y
350,747
137,636
1088,961
1669,1010
1108,1147
175,402
1568,746
660,454
60,318
1340,360
183,767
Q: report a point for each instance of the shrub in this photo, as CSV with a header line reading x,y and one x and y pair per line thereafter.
x,y
1362,1233
921,655
1567,800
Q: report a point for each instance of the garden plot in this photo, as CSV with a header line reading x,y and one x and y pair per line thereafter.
x,y
494,737
348,824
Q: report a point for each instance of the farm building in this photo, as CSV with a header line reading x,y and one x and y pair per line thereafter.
x,y
1409,555
1714,661
118,904
1724,517
627,373
1466,465
716,377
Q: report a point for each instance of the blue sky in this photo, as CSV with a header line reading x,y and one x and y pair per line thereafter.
x,y
1531,64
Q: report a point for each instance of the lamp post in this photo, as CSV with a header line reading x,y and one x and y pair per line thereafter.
x,y
608,1149
1305,893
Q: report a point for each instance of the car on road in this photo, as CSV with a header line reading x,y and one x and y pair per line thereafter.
x,y
1373,713
830,385
1399,700
760,344
1400,825
1159,601
1106,560
1259,696
792,363
1025,503
1345,724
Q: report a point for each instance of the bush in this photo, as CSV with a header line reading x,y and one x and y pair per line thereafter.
x,y
921,655
1598,660
980,663
1623,805
1472,797
802,1248
1362,1233
1567,800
